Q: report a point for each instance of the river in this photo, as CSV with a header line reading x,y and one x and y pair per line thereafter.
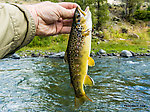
x,y
43,85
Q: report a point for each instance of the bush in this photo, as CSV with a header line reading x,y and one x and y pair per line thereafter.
x,y
142,15
148,9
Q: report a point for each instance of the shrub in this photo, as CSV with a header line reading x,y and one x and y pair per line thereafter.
x,y
142,15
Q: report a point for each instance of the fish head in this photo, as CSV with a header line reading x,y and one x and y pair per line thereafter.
x,y
85,16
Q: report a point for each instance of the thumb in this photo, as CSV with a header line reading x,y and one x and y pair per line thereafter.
x,y
67,13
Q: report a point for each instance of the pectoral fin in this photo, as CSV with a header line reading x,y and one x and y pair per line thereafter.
x,y
88,81
91,61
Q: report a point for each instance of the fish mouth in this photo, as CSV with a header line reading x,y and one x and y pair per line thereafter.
x,y
83,12
84,15
80,10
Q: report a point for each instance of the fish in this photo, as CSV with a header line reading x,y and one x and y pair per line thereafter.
x,y
77,54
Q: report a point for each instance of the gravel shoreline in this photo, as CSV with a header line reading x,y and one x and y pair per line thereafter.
x,y
100,53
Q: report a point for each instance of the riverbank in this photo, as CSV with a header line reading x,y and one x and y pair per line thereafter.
x,y
100,53
116,37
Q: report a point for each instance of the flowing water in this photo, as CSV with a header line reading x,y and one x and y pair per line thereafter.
x,y
43,85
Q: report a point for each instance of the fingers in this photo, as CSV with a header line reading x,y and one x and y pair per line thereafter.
x,y
66,13
67,22
68,5
65,30
64,26
67,9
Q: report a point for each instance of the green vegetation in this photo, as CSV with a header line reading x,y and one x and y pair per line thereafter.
x,y
119,44
114,40
51,43
142,15
109,21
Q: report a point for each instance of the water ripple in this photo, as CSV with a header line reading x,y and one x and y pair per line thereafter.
x,y
39,84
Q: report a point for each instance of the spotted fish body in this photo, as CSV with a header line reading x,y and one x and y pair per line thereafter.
x,y
77,54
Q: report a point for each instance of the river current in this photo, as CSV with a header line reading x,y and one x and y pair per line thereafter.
x,y
43,85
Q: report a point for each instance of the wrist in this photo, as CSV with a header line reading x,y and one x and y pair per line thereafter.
x,y
33,13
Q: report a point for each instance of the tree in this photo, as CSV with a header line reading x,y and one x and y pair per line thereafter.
x,y
131,7
98,8
102,13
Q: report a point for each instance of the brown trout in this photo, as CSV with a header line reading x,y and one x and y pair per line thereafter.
x,y
78,52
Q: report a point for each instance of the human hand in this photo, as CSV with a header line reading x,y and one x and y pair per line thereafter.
x,y
52,18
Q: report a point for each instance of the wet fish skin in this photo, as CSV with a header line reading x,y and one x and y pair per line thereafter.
x,y
77,54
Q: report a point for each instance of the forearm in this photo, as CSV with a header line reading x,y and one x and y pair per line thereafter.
x,y
17,28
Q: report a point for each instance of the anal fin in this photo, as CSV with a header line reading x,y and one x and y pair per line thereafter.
x,y
88,81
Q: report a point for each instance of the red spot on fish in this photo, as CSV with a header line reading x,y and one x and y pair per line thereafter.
x,y
78,43
76,57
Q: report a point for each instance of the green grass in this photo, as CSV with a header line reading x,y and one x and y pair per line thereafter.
x,y
118,41
51,43
111,47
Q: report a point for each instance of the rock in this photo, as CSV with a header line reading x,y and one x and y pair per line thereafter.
x,y
104,55
138,54
28,51
114,54
101,51
142,54
110,54
92,54
34,55
94,37
57,55
97,34
46,56
15,56
126,53
133,35
133,54
116,19
98,53
142,49
98,42
147,54
121,39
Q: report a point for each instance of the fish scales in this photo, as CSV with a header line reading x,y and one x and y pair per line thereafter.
x,y
77,54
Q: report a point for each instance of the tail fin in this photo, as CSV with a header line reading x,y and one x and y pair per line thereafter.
x,y
81,100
